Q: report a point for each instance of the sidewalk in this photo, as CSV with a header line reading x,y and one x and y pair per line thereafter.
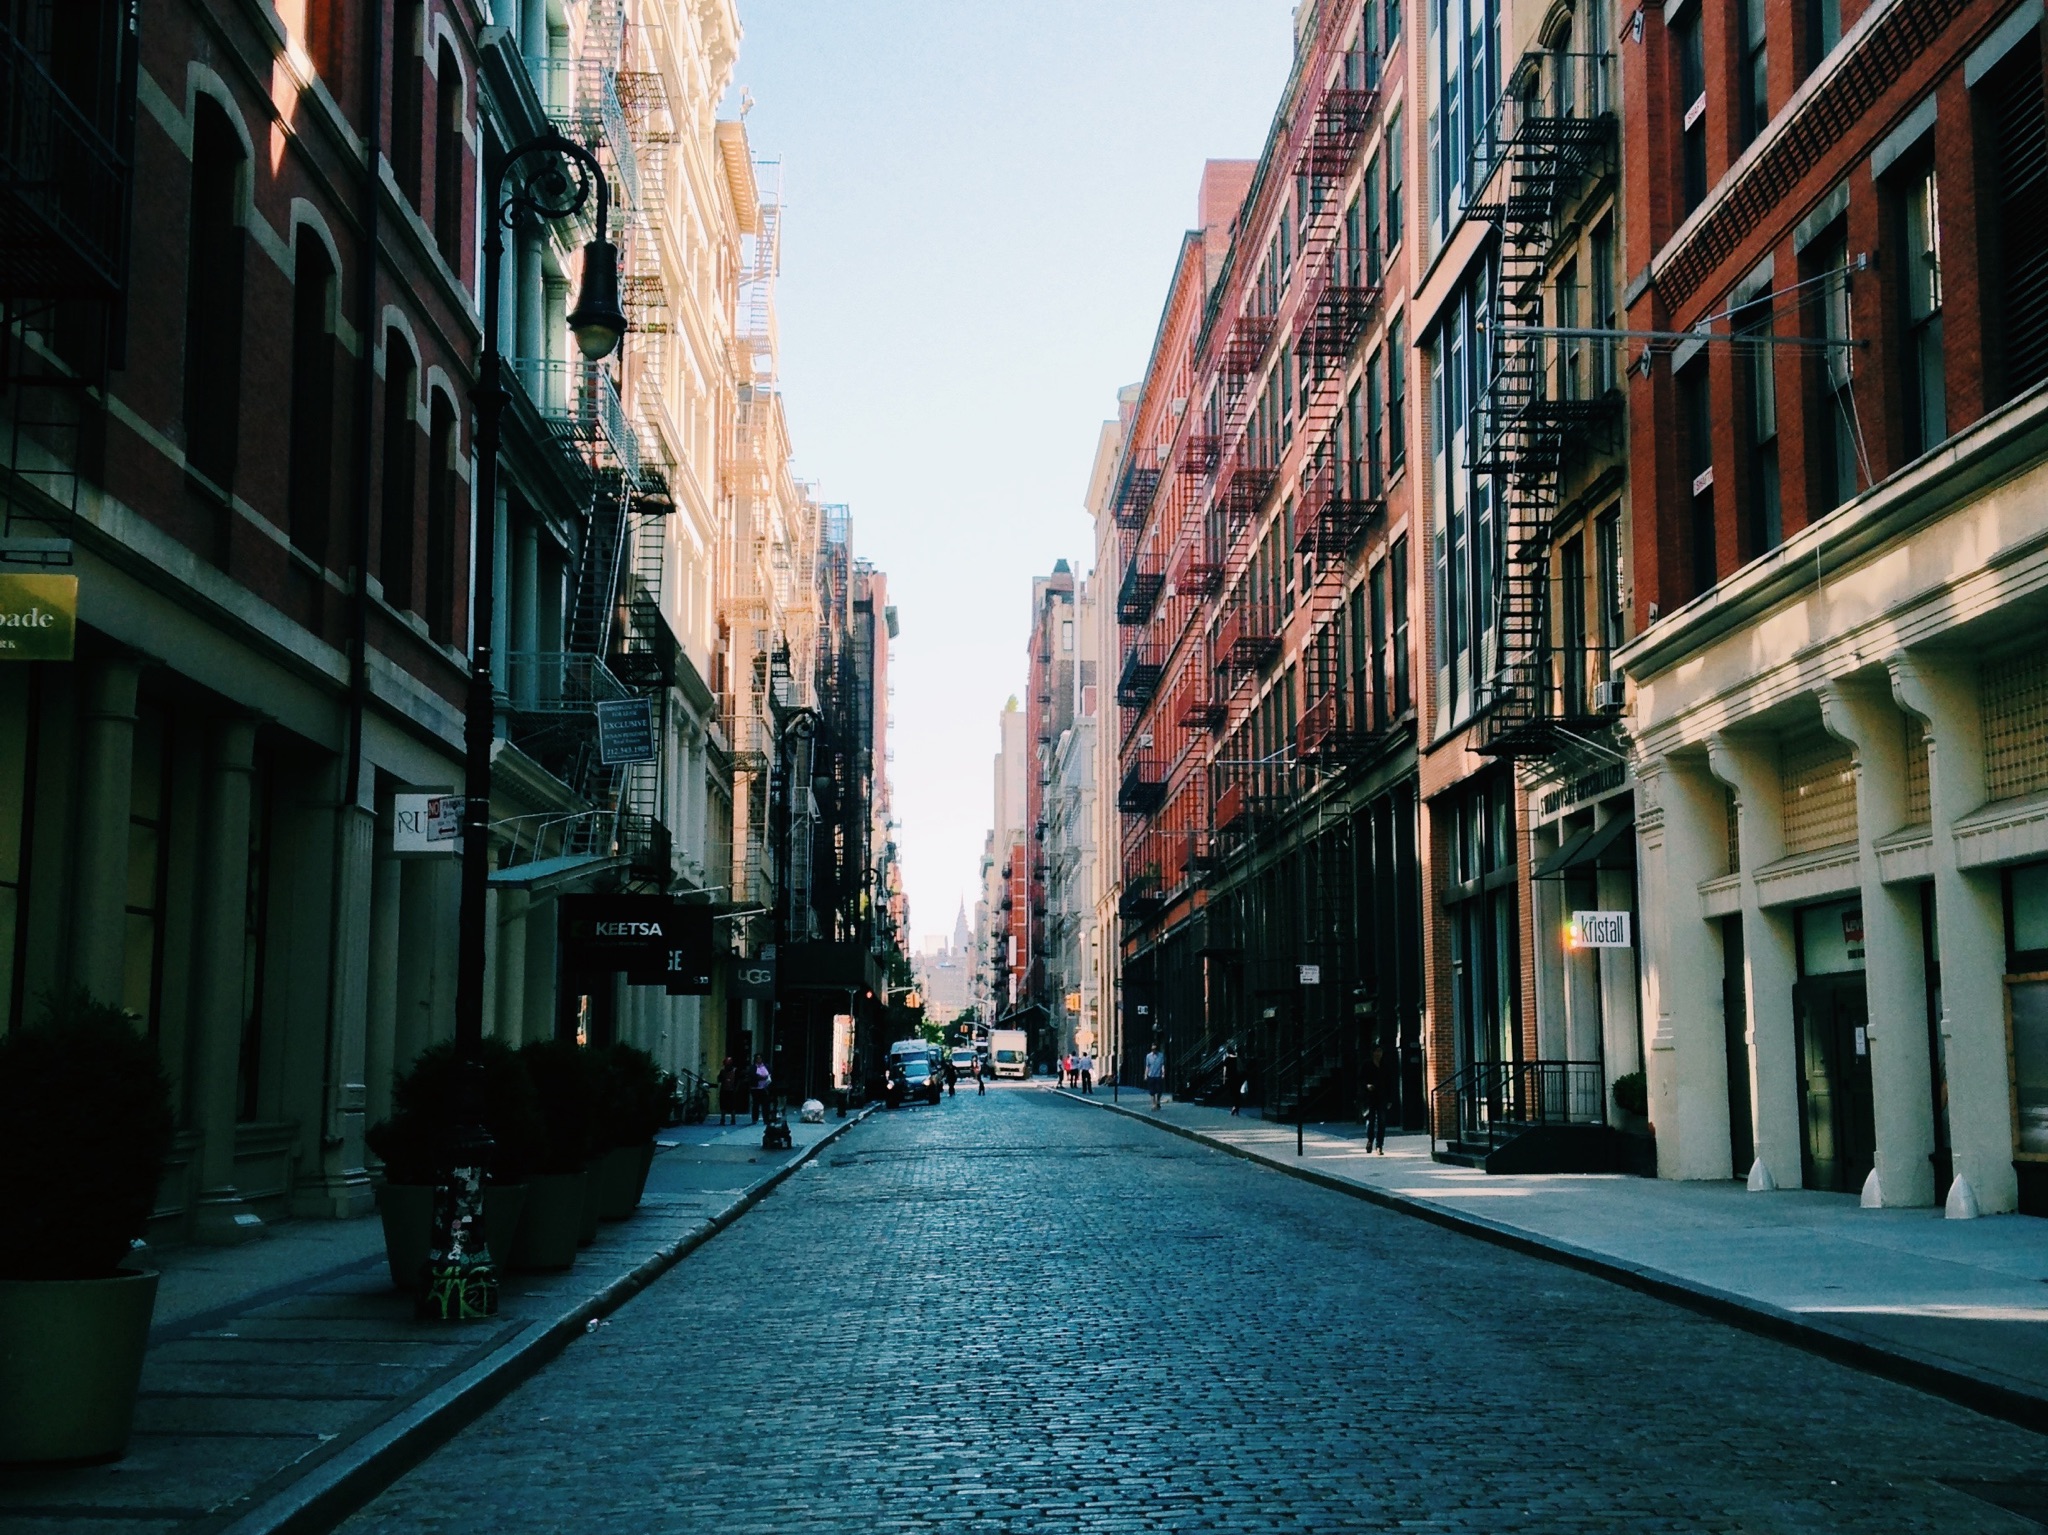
x,y
1956,1307
287,1381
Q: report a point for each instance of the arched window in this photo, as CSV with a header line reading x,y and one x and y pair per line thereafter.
x,y
213,297
400,508
444,508
312,426
448,157
408,89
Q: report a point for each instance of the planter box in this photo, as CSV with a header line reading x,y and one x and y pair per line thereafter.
x,y
553,1221
620,1174
70,1361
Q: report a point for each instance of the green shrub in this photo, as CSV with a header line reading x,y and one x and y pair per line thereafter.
x,y
565,1077
1632,1094
85,1131
426,1108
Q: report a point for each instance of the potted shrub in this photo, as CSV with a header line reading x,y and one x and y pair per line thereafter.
x,y
557,1197
413,1143
1632,1094
85,1129
629,1094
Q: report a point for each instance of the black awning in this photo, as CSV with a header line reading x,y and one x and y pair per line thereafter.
x,y
1612,846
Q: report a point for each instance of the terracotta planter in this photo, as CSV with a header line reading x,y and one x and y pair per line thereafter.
x,y
407,1210
618,1175
70,1361
550,1224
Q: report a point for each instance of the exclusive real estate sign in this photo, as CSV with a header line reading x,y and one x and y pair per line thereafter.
x,y
38,617
648,938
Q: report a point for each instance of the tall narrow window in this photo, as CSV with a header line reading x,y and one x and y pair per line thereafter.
x,y
311,474
1381,699
1375,428
2011,108
408,95
1397,580
213,298
399,508
1361,663
324,40
1397,371
1600,252
448,157
1695,414
1570,348
1571,625
1838,451
1361,474
444,508
1692,106
1756,72
1823,30
1920,281
1390,11
1766,517
1371,238
1609,589
1393,153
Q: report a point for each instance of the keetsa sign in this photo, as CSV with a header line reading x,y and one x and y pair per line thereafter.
x,y
650,939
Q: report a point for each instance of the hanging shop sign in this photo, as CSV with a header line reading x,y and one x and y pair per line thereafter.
x,y
648,938
38,617
1599,930
426,823
751,978
625,731
1311,975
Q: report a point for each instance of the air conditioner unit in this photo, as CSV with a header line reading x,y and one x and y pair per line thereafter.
x,y
1611,694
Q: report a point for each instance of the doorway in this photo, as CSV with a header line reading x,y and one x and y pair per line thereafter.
x,y
1837,1120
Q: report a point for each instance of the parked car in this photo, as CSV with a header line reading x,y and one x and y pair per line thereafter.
x,y
919,1080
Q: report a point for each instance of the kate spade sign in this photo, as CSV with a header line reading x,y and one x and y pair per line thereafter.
x,y
38,617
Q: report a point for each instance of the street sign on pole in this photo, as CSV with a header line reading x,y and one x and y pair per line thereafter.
x,y
426,823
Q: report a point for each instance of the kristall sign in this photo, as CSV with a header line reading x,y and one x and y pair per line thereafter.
x,y
38,617
1599,930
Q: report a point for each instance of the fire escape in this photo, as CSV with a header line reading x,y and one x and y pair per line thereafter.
x,y
616,646
68,76
1553,129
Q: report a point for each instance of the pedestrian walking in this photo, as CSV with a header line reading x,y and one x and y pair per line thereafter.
x,y
1155,1074
1233,1078
952,1075
764,1081
980,1080
1376,1102
732,1091
1087,1072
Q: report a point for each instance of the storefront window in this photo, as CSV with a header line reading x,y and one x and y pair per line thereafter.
x,y
1831,938
2026,922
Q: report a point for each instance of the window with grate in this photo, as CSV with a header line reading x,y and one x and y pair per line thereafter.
x,y
1818,785
1734,824
1918,798
2011,108
2014,699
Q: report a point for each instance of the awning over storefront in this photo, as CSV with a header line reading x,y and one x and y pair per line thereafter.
x,y
551,876
1612,846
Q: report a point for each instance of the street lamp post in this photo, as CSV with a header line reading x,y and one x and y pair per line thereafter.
x,y
461,1280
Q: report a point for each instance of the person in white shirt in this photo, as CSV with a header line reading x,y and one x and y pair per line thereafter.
x,y
1155,1074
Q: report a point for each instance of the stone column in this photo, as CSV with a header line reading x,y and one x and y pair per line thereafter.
x,y
1969,915
381,1033
99,874
539,987
345,1179
524,605
1749,766
1677,822
1860,712
219,944
513,905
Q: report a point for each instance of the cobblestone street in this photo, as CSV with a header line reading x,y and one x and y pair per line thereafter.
x,y
1016,1313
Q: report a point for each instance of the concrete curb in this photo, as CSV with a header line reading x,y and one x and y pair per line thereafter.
x,y
347,1480
1944,1378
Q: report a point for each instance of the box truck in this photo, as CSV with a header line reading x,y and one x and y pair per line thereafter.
x,y
1010,1050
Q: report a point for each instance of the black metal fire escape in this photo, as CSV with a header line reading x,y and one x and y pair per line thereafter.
x,y
1553,129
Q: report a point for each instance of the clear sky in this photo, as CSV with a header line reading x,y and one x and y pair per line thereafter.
x,y
983,205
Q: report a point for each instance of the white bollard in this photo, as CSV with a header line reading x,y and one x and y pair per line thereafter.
x,y
1873,1192
1962,1201
1760,1179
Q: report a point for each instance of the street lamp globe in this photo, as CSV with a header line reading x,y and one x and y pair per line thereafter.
x,y
597,321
